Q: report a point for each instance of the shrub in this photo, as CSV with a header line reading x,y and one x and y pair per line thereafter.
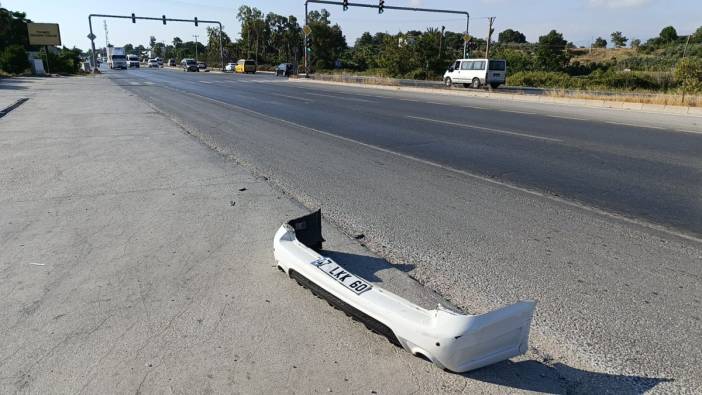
x,y
688,72
13,59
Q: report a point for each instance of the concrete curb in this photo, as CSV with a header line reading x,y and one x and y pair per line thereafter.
x,y
591,103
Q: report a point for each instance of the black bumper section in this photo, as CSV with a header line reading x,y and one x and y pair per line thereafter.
x,y
370,322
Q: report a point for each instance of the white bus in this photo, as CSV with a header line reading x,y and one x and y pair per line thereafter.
x,y
475,73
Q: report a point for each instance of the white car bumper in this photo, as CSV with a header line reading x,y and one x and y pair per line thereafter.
x,y
450,340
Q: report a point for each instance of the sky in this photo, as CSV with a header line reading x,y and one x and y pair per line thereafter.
x,y
579,20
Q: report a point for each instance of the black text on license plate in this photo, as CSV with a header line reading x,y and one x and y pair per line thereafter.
x,y
348,280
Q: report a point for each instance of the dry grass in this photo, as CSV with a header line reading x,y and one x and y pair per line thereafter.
x,y
600,55
662,99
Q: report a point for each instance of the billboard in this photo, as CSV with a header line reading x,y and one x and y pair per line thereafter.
x,y
44,34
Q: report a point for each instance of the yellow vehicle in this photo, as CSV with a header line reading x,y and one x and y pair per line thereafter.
x,y
245,66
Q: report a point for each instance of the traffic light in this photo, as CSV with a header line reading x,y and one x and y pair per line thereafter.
x,y
195,21
133,18
346,4
381,6
164,19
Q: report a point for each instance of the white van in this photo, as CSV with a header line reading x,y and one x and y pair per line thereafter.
x,y
475,73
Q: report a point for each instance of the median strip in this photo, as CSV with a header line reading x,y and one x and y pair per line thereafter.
x,y
491,130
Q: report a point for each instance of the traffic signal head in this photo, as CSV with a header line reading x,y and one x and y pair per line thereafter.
x,y
133,18
164,19
346,4
195,21
381,6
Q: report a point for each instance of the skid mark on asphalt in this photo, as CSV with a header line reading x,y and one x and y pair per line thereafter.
x,y
486,129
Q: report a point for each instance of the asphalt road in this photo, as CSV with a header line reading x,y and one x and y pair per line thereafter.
x,y
595,213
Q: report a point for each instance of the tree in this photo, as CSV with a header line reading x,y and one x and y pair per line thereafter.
x,y
551,52
688,72
213,54
600,43
152,42
619,39
668,35
13,59
697,36
327,42
635,43
511,36
128,48
177,42
13,28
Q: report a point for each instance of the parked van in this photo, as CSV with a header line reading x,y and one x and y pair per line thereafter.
x,y
475,73
245,66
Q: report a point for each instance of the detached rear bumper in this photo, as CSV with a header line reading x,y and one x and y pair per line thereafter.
x,y
450,340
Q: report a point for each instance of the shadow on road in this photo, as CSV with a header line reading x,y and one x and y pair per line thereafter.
x,y
560,378
363,265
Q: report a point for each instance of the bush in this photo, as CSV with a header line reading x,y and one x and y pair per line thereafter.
x,y
598,80
66,61
688,72
13,59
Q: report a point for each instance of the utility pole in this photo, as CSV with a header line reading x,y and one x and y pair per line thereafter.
x,y
196,36
489,37
441,41
107,41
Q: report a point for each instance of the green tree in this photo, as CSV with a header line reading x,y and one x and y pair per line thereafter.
x,y
152,42
13,28
551,52
252,29
327,42
697,36
511,36
213,54
668,35
619,39
13,59
600,43
635,43
688,72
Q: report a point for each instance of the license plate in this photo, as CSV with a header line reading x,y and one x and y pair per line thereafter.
x,y
348,280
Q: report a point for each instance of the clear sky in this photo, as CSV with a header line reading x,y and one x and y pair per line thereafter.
x,y
579,20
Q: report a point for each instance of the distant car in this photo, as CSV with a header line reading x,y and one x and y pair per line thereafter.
x,y
230,67
172,62
160,61
245,66
189,65
201,65
284,70
152,63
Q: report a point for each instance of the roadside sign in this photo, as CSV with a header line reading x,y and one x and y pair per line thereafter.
x,y
44,34
91,36
466,37
307,30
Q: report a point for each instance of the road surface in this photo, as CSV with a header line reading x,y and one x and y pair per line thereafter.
x,y
595,213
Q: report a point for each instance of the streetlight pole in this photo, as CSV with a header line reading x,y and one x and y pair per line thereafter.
x,y
195,35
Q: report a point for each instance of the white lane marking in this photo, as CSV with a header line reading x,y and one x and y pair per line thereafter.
x,y
340,97
133,83
296,98
618,217
205,82
491,130
149,83
634,125
520,112
36,264
564,117
688,131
